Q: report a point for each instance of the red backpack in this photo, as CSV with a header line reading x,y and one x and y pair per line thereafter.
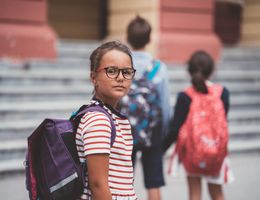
x,y
203,138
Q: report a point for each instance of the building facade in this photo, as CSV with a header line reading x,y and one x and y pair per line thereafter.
x,y
31,28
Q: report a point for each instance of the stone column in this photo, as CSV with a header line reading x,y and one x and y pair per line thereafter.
x,y
251,23
24,30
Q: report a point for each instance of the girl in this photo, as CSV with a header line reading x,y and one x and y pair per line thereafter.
x,y
200,67
109,168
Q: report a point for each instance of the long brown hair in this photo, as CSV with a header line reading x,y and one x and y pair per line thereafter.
x,y
200,67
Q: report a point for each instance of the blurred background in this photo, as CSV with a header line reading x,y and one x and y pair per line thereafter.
x,y
44,58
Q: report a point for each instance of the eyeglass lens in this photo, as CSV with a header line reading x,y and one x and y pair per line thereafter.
x,y
113,72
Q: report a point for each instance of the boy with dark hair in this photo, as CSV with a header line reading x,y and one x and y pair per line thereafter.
x,y
138,33
138,36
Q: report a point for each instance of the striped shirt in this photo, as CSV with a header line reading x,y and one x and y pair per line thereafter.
x,y
94,137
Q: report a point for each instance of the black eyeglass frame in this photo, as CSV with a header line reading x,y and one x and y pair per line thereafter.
x,y
118,72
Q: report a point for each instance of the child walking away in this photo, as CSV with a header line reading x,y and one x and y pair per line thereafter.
x,y
147,106
109,168
199,125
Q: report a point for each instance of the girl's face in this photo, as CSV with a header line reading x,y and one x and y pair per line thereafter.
x,y
111,90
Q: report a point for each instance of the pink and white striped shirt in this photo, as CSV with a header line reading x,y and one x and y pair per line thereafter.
x,y
94,137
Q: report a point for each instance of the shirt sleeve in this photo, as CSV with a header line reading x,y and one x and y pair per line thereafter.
x,y
180,114
96,133
225,99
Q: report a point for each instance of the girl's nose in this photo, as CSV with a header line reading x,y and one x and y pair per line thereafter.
x,y
120,75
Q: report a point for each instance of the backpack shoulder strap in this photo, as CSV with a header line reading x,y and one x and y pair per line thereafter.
x,y
190,91
156,66
216,90
90,108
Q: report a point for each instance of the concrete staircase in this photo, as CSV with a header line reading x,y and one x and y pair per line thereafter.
x,y
40,89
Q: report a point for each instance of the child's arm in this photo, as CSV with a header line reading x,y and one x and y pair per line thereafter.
x,y
225,99
181,110
98,166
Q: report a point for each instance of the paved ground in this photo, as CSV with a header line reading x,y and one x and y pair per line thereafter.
x,y
246,186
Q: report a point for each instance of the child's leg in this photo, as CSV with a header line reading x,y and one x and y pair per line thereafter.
x,y
152,162
154,194
194,184
215,191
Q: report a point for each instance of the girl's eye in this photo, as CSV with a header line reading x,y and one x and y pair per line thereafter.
x,y
111,70
127,72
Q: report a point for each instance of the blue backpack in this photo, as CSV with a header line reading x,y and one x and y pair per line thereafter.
x,y
53,169
142,107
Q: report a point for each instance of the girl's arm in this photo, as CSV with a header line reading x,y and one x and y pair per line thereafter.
x,y
96,128
225,99
181,110
98,166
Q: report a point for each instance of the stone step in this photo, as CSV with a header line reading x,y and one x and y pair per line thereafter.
x,y
43,89
243,131
51,111
238,74
228,75
227,51
66,63
73,91
237,102
24,109
68,48
45,92
223,65
243,115
82,63
75,48
44,74
14,164
50,105
40,106
178,82
244,146
240,53
239,87
66,112
241,64
10,130
235,88
14,149
80,50
243,108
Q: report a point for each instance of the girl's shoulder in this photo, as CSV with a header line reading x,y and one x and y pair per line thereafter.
x,y
183,96
108,108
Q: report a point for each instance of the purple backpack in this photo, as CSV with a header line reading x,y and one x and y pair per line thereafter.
x,y
53,169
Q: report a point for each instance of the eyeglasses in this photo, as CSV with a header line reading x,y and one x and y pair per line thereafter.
x,y
113,72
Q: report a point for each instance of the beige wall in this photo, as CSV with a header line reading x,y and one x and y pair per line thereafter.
x,y
121,12
251,23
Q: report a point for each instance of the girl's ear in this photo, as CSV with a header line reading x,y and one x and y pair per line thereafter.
x,y
93,77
